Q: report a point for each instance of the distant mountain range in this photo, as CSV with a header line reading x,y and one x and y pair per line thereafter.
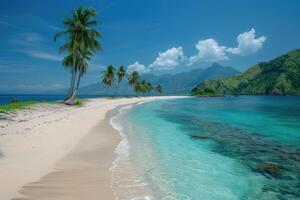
x,y
280,76
180,83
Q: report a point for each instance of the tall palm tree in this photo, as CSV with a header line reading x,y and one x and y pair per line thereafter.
x,y
68,63
108,77
121,72
81,37
158,89
133,79
82,66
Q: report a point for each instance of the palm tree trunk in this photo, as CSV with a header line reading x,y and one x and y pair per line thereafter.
x,y
116,89
74,70
72,99
72,83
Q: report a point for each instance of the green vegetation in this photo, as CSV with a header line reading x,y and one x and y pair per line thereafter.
x,y
143,87
17,105
280,76
173,84
121,72
206,92
108,77
81,44
78,102
111,75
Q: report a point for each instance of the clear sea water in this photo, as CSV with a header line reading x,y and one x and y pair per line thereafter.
x,y
245,147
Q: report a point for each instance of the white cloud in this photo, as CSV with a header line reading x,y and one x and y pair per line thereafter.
x,y
137,67
45,55
209,50
168,59
247,43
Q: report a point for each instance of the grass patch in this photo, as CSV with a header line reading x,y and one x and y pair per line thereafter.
x,y
17,105
78,102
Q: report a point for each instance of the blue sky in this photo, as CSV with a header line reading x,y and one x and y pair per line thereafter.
x,y
153,36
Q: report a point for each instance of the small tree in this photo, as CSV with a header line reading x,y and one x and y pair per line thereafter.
x,y
134,79
108,77
120,75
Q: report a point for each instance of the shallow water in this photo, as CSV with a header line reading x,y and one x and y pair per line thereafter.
x,y
212,148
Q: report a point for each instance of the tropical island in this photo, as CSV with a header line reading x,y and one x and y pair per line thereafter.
x,y
280,76
109,101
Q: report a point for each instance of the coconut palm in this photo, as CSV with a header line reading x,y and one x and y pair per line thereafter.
x,y
149,87
108,77
81,37
82,66
68,63
158,89
121,72
138,87
133,79
143,86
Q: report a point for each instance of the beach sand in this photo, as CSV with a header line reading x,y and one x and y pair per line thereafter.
x,y
53,151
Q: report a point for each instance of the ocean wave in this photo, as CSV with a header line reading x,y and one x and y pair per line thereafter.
x,y
122,149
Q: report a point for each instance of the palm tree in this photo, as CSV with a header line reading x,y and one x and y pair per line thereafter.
x,y
82,66
149,87
158,89
120,75
81,37
68,63
133,79
108,77
144,89
138,87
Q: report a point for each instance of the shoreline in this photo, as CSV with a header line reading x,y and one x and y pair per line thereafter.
x,y
126,183
55,155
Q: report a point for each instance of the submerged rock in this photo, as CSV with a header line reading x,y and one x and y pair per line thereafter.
x,y
279,162
201,137
268,168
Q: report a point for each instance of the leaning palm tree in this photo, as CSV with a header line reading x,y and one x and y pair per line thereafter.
x,y
120,75
133,79
68,63
158,89
108,77
82,66
80,37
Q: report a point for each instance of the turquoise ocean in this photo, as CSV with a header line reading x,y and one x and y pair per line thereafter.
x,y
245,147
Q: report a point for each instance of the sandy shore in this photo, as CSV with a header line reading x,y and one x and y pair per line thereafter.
x,y
53,151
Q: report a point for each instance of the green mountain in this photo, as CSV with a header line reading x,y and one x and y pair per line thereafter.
x,y
280,76
180,83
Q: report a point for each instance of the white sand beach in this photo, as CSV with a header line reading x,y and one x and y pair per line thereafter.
x,y
54,151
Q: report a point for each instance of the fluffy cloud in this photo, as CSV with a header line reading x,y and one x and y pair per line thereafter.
x,y
247,43
137,67
168,59
209,50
